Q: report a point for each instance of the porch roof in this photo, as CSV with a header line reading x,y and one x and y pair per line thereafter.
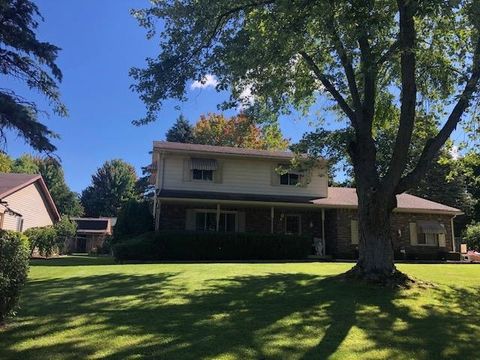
x,y
210,195
339,197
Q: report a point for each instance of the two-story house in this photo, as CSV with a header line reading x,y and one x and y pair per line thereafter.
x,y
216,188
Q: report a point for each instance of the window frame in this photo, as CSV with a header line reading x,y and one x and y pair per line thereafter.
x,y
203,177
299,217
207,211
423,237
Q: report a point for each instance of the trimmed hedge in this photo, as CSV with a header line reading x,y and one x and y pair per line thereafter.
x,y
14,257
212,246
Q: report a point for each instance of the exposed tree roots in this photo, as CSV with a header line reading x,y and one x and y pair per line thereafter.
x,y
390,279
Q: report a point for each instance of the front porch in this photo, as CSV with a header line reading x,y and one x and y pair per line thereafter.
x,y
261,218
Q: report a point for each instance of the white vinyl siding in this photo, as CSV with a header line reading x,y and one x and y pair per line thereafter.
x,y
244,176
30,203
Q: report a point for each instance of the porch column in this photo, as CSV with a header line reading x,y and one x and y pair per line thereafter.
x,y
323,227
218,217
158,208
272,217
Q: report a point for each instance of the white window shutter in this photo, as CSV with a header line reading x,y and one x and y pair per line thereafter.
x,y
218,173
413,233
190,220
442,241
241,221
354,231
187,173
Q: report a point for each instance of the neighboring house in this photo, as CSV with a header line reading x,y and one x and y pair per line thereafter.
x,y
25,202
91,234
213,188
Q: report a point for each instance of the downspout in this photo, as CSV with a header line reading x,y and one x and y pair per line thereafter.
x,y
453,234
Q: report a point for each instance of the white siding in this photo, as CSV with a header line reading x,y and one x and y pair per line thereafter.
x,y
30,203
245,176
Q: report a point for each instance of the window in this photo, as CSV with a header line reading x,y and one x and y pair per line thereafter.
x,y
207,221
428,239
204,175
289,179
19,224
292,224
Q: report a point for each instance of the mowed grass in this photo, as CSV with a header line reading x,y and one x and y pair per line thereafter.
x,y
74,309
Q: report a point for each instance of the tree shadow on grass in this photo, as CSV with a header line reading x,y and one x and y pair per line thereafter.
x,y
278,316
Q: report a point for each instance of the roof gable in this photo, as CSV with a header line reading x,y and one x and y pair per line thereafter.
x,y
11,183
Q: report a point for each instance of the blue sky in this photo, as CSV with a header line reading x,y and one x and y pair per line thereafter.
x,y
100,42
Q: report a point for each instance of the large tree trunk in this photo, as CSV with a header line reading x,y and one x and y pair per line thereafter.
x,y
375,262
375,246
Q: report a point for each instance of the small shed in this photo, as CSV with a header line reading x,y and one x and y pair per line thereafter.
x,y
91,233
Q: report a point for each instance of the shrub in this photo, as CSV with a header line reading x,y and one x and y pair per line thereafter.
x,y
44,239
14,255
65,229
471,236
212,246
134,218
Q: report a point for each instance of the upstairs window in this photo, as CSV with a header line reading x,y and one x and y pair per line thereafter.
x,y
203,169
205,175
290,179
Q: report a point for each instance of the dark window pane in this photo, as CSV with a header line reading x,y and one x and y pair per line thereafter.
x,y
294,179
284,179
200,221
197,174
292,224
211,222
230,223
208,175
221,225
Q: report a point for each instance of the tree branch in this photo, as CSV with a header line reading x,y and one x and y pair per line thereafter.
x,y
330,87
433,145
408,95
389,53
346,63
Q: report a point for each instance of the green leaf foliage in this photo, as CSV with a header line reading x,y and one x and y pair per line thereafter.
x,y
33,62
112,186
14,257
134,218
181,131
471,236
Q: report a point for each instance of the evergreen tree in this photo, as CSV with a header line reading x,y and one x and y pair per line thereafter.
x,y
181,131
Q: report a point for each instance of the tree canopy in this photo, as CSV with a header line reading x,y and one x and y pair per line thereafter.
x,y
236,131
113,184
361,59
181,131
31,61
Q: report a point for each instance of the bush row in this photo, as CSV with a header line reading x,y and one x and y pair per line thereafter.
x,y
212,246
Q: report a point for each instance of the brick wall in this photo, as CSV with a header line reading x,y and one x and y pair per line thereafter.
x,y
341,238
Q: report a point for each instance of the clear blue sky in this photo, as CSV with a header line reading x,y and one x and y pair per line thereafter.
x,y
100,42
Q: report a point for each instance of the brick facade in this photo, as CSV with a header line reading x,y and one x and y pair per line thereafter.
x,y
337,226
257,219
340,234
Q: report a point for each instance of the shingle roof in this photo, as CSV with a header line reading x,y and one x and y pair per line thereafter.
x,y
11,183
347,197
221,150
93,225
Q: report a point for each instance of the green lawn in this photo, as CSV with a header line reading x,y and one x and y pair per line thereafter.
x,y
90,308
